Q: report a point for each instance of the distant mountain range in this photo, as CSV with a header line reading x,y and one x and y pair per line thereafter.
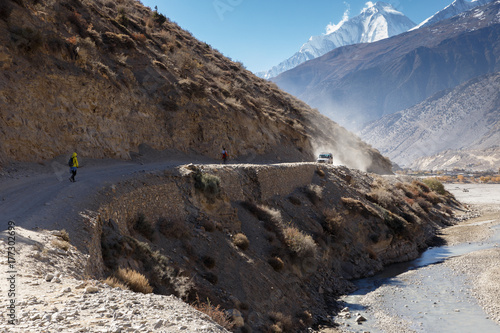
x,y
453,128
360,83
376,21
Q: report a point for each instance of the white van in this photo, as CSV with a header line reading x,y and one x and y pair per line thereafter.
x,y
325,158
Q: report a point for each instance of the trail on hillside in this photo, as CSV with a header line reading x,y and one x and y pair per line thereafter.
x,y
48,200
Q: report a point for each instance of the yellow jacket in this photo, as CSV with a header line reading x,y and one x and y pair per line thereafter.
x,y
75,160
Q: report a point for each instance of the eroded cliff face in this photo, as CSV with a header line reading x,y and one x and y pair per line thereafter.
x,y
276,244
101,79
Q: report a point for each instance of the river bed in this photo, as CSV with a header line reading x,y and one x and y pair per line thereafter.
x,y
425,295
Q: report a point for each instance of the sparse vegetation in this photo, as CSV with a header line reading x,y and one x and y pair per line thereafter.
x,y
61,244
115,283
208,262
215,312
435,185
299,243
208,184
276,263
173,228
241,241
134,280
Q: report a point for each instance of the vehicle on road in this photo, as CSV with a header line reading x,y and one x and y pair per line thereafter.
x,y
325,158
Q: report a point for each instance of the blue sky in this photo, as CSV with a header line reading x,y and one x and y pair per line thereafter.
x,y
262,33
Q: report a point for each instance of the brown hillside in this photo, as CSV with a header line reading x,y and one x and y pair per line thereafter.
x,y
102,77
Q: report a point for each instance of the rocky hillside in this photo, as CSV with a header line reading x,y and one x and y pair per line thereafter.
x,y
273,245
459,126
361,83
103,77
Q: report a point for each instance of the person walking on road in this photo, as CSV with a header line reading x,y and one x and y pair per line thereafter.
x,y
73,165
225,155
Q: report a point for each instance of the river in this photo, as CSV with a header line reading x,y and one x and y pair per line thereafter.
x,y
427,295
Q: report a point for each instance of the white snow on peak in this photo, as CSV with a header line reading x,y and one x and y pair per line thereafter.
x,y
455,8
375,22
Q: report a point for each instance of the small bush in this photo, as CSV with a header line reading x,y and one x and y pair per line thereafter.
x,y
63,234
313,193
209,226
435,185
209,185
355,205
241,241
173,228
134,280
320,173
61,244
381,196
215,312
299,243
159,18
276,263
282,323
143,226
115,283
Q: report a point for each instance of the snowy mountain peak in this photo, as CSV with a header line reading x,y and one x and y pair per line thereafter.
x,y
375,22
455,8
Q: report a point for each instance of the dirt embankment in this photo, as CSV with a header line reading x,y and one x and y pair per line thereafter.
x,y
275,245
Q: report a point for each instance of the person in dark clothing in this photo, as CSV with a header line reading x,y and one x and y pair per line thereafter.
x,y
225,155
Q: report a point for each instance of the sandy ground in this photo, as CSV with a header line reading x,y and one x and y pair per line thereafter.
x,y
461,294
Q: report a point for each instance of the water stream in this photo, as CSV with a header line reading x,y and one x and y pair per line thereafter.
x,y
423,296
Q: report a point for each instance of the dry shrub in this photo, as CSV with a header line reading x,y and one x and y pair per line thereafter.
x,y
63,234
320,172
435,185
271,217
276,263
173,228
208,184
134,280
359,207
209,225
299,243
424,188
282,323
426,205
381,196
60,244
115,283
333,222
241,241
215,312
313,193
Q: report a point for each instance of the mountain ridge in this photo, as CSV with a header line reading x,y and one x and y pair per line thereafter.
x,y
375,22
359,83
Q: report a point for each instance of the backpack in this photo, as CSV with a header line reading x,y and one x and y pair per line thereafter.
x,y
70,162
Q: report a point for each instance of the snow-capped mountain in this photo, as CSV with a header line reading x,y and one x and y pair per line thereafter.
x,y
455,8
375,22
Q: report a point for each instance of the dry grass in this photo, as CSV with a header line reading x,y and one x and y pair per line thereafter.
x,y
299,243
215,312
276,263
115,283
60,244
241,241
134,280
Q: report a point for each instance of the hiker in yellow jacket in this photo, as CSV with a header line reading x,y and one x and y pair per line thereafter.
x,y
73,165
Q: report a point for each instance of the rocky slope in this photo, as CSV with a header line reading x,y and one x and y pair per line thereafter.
x,y
103,77
360,83
455,128
274,245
